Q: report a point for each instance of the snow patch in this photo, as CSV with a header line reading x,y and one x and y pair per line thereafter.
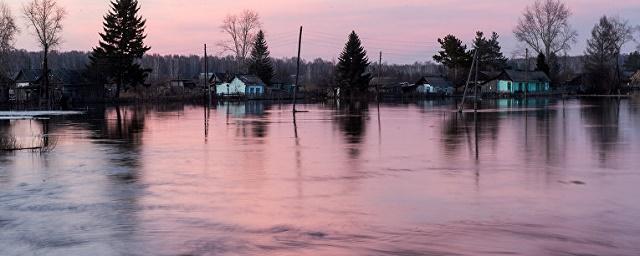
x,y
35,114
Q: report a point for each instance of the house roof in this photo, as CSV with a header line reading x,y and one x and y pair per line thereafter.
x,y
216,77
519,75
27,75
435,81
488,75
383,81
69,77
250,80
60,76
635,78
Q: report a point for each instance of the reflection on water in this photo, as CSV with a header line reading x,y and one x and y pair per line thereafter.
x,y
528,177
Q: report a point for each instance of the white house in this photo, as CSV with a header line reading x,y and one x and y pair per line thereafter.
x,y
434,85
242,85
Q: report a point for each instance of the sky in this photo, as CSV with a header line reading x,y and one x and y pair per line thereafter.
x,y
404,30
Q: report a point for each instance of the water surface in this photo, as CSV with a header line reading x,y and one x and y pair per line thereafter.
x,y
541,177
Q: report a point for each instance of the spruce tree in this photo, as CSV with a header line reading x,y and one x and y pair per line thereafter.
x,y
351,75
491,57
116,58
454,56
541,64
260,62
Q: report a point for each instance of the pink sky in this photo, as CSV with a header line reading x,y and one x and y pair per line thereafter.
x,y
404,29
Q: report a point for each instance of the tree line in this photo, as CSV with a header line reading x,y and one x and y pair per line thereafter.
x,y
121,56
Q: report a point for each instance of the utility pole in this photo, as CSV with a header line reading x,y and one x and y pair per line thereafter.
x,y
379,77
475,88
526,73
464,93
295,88
206,75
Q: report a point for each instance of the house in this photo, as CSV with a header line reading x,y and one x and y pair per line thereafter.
x,y
516,81
6,86
634,81
434,85
242,85
575,85
76,87
181,83
392,90
214,79
27,85
280,87
63,83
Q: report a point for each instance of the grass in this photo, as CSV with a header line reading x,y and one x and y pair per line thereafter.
x,y
45,144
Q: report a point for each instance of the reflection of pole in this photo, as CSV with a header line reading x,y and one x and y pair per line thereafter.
x,y
475,122
295,88
45,131
379,125
227,103
295,128
207,114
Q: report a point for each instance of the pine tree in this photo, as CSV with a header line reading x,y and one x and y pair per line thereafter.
x,y
541,64
260,62
116,59
351,75
454,56
491,57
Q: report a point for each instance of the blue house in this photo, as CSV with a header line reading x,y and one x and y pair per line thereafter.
x,y
517,81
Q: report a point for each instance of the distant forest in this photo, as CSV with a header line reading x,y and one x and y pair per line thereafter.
x,y
315,73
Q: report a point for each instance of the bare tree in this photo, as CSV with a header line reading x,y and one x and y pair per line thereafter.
x,y
8,30
544,26
242,30
45,17
621,35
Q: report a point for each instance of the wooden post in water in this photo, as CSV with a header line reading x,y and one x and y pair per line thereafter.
x,y
206,76
464,94
295,88
475,88
379,77
526,73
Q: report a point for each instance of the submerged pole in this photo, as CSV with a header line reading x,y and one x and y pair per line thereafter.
x,y
464,94
379,77
295,88
206,75
526,73
475,88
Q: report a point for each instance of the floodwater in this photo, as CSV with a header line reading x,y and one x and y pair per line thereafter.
x,y
541,177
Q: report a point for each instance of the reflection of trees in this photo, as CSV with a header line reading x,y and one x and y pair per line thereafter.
x,y
602,122
459,129
351,120
121,128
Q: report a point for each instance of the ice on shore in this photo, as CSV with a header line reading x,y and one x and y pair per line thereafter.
x,y
35,114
